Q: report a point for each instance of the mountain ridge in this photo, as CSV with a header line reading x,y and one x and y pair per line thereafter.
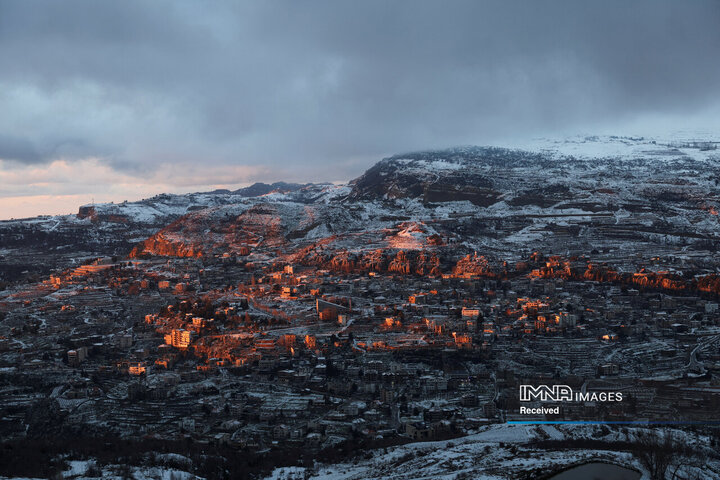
x,y
587,192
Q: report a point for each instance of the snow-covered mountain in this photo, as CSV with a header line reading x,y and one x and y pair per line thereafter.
x,y
483,198
572,196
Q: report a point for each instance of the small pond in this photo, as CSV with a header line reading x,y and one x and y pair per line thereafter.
x,y
597,471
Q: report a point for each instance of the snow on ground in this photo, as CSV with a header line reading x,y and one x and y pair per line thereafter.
x,y
321,231
499,452
87,469
432,165
411,236
600,147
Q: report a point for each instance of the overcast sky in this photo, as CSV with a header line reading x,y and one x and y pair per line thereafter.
x,y
122,99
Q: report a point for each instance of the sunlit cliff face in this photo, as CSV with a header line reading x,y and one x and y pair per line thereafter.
x,y
434,263
160,245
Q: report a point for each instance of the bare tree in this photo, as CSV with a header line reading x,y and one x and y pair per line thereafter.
x,y
662,453
656,450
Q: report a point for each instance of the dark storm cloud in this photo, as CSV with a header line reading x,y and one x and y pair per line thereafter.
x,y
18,149
329,86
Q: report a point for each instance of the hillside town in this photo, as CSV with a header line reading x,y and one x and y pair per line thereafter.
x,y
320,321
288,354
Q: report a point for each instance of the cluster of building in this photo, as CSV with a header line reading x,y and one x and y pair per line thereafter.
x,y
260,354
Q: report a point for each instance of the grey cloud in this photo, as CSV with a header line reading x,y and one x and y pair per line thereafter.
x,y
322,88
18,149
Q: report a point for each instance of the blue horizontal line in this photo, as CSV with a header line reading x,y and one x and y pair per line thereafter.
x,y
600,422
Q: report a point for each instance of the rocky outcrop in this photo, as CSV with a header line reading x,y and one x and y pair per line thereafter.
x,y
451,175
447,192
400,264
473,265
379,260
158,244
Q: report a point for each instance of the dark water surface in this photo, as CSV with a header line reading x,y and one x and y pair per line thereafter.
x,y
597,471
